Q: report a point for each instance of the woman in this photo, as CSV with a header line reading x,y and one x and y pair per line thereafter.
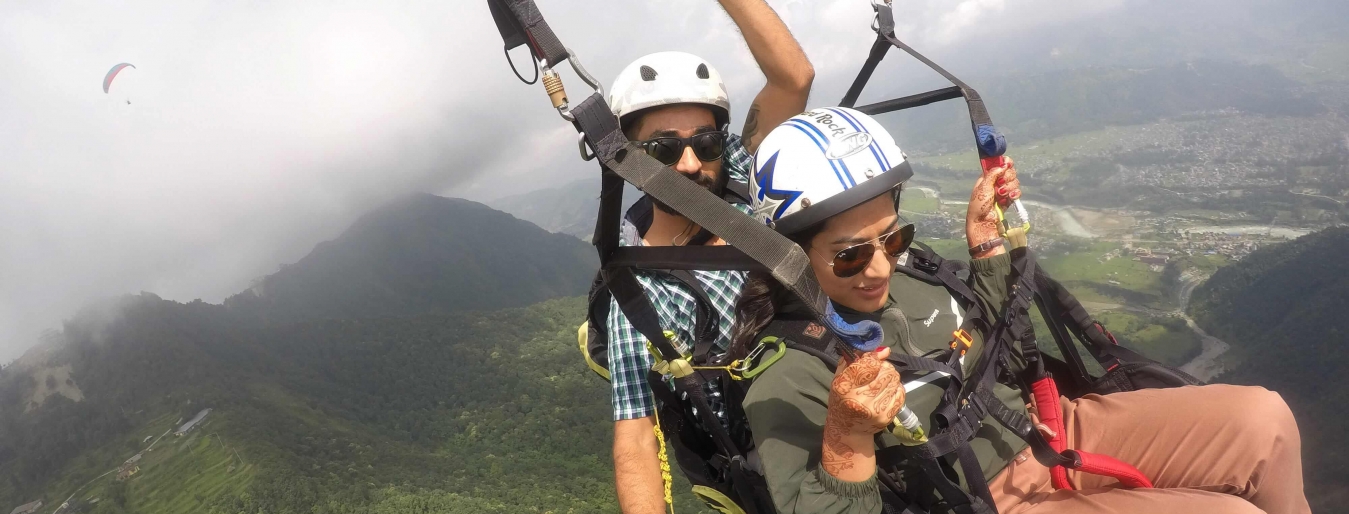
x,y
829,180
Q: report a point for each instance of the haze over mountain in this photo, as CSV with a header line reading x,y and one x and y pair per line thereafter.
x,y
423,254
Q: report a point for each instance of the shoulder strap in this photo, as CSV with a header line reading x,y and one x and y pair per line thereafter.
x,y
637,308
705,324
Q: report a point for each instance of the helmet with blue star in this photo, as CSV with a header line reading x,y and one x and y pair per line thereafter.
x,y
820,163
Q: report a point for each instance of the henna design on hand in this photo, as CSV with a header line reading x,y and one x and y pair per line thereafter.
x,y
981,220
863,399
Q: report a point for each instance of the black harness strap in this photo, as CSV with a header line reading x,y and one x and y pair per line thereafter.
x,y
987,139
528,26
786,261
710,258
637,308
706,324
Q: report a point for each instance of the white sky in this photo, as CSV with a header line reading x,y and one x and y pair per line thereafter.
x,y
257,129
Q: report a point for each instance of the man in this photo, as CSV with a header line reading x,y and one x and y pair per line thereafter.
x,y
675,105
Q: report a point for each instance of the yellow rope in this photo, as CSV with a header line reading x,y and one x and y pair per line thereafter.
x,y
664,465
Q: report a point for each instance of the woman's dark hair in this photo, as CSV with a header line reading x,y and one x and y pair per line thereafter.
x,y
763,296
760,300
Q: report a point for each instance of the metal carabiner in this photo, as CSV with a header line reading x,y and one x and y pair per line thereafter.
x,y
552,84
753,356
586,154
876,8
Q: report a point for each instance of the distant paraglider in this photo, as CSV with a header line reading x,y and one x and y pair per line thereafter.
x,y
112,74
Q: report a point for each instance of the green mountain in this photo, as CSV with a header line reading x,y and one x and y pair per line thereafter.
x,y
417,406
1283,310
425,254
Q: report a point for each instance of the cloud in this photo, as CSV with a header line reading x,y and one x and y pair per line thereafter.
x,y
258,129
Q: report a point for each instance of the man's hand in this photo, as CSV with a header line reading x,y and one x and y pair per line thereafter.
x,y
998,185
637,467
783,63
863,400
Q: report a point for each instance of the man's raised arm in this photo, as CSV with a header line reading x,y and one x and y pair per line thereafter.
x,y
783,63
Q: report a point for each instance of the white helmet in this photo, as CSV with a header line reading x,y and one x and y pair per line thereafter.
x,y
667,78
820,163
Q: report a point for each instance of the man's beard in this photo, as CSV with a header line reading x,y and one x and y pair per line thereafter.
x,y
715,185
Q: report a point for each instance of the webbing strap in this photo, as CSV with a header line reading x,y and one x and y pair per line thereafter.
x,y
691,385
1080,323
974,474
528,20
786,261
878,51
1046,396
911,101
989,142
978,113
1053,316
709,258
705,323
511,31
627,292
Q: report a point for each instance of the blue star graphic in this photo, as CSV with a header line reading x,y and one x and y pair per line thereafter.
x,y
776,199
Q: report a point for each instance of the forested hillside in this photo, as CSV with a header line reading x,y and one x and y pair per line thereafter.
x,y
1283,309
358,381
464,412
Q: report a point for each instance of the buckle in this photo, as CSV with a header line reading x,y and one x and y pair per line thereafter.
x,y
961,341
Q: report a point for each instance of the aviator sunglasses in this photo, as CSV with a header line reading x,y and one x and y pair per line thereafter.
x,y
853,259
707,146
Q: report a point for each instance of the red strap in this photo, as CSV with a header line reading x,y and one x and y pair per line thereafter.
x,y
1046,394
1108,466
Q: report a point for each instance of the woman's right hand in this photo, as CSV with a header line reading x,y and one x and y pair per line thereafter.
x,y
996,186
863,399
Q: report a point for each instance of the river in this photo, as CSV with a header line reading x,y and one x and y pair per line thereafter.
x,y
1067,221
1206,365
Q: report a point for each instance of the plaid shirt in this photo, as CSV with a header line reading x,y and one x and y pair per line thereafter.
x,y
629,359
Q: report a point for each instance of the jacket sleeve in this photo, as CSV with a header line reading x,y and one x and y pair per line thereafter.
x,y
991,280
786,408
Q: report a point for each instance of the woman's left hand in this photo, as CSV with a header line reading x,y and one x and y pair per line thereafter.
x,y
997,185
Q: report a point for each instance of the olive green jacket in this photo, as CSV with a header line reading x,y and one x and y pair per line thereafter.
x,y
787,403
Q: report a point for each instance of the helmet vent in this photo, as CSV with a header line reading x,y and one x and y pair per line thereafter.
x,y
702,71
648,73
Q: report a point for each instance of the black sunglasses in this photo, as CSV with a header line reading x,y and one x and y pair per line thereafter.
x,y
853,259
708,146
